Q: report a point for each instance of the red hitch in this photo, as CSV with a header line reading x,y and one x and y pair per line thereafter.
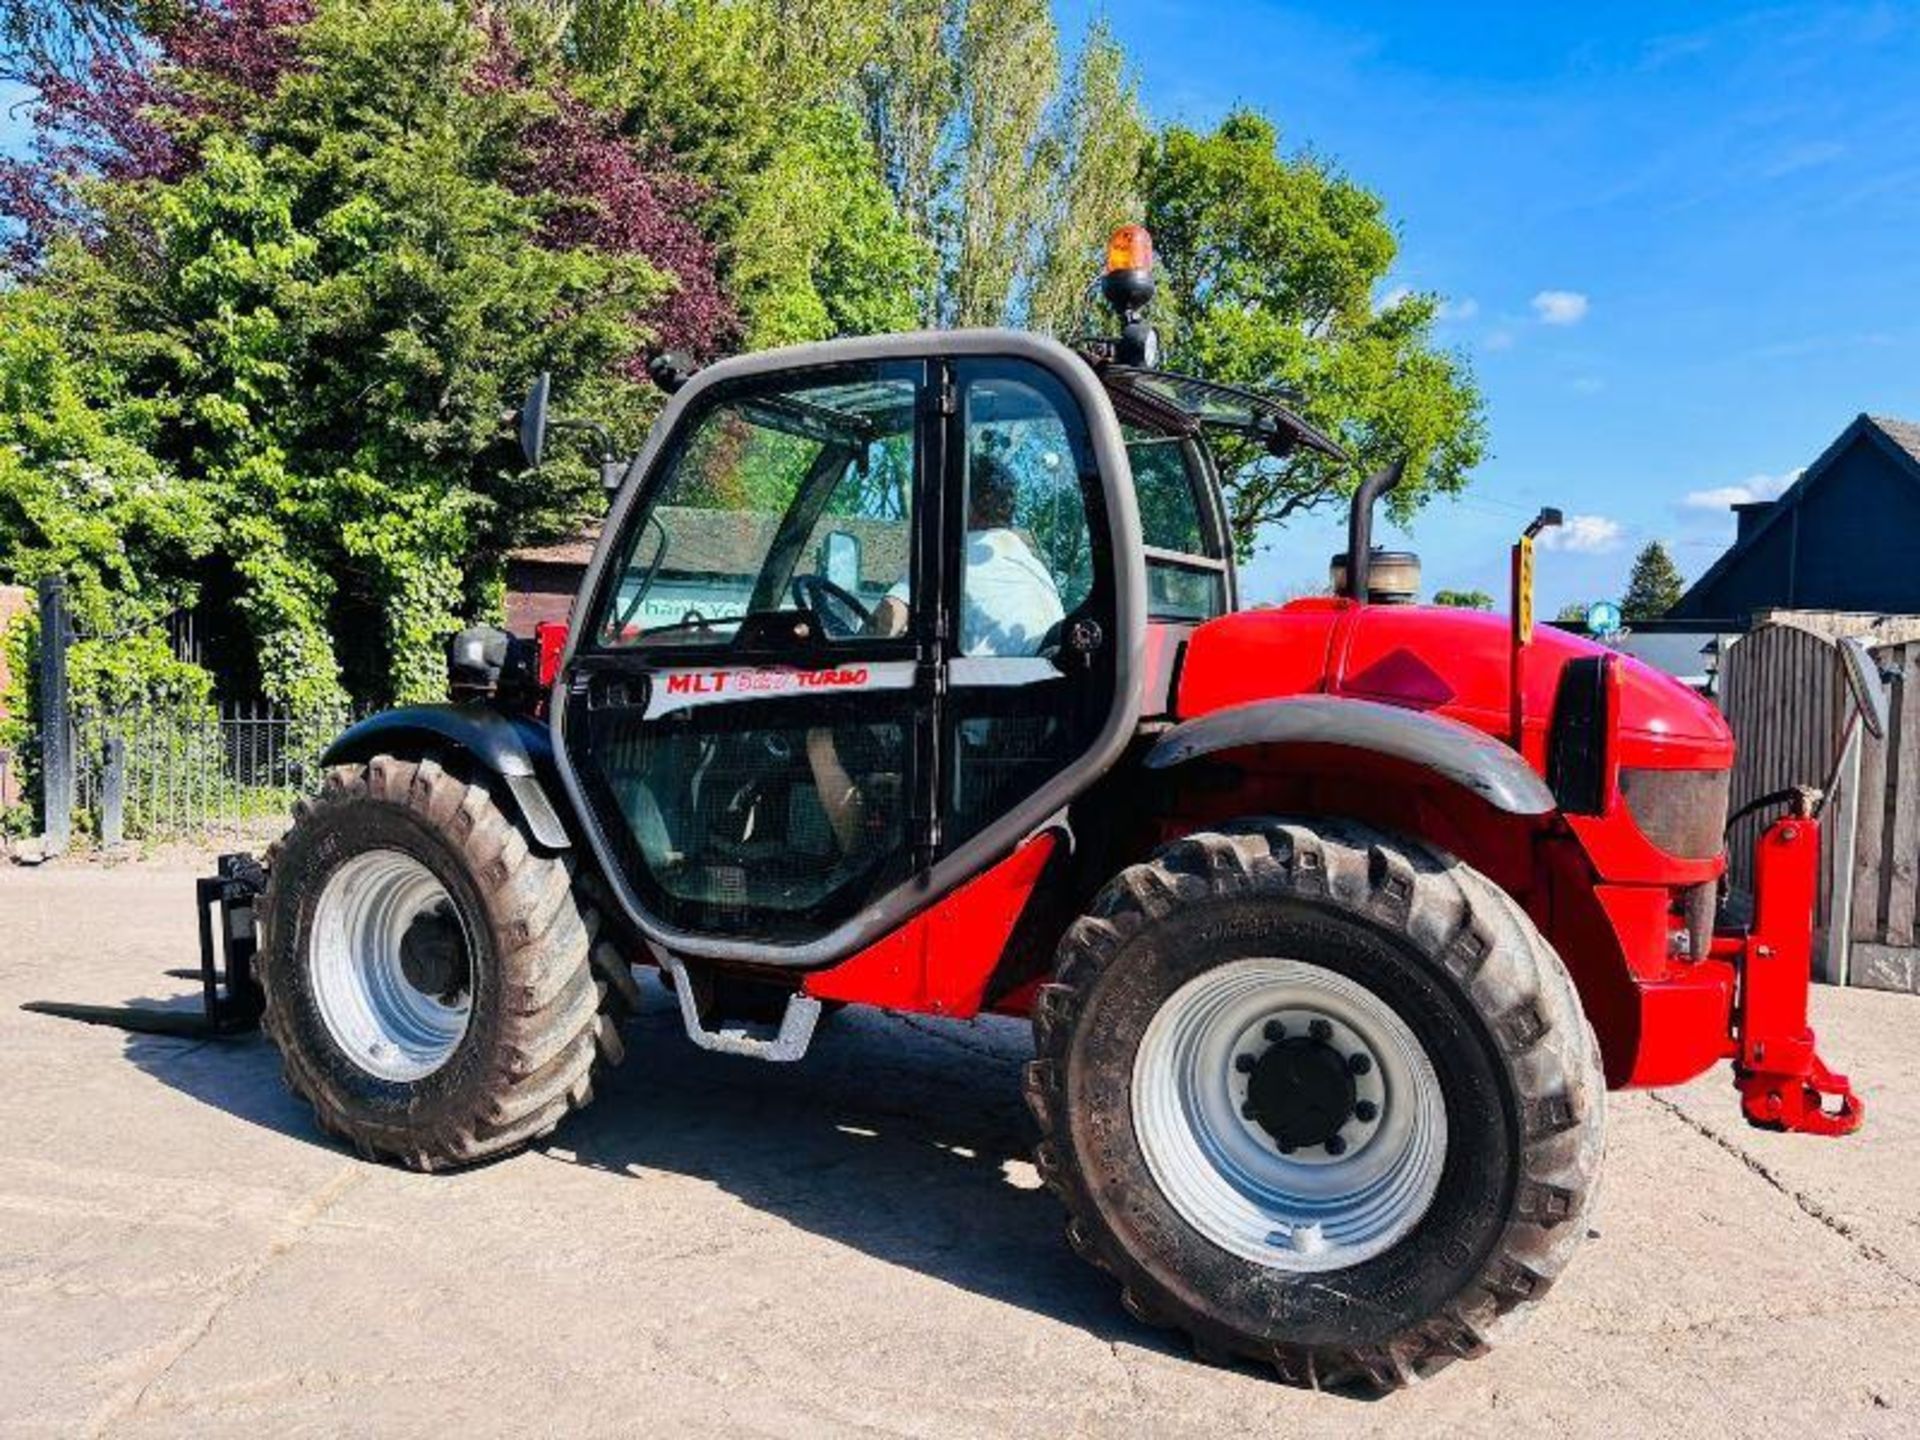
x,y
1783,1083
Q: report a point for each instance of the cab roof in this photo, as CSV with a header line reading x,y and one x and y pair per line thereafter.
x,y
1182,402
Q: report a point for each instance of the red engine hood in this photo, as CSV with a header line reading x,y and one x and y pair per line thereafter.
x,y
1456,662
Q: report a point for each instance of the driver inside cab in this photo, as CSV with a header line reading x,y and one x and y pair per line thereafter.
x,y
1008,600
1009,605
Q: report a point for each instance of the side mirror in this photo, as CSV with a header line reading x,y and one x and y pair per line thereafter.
x,y
1864,682
840,560
533,420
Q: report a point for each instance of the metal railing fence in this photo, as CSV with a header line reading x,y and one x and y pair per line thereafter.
x,y
167,772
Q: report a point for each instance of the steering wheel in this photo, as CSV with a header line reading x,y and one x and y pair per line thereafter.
x,y
840,614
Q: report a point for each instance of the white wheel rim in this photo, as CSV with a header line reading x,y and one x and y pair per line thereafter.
x,y
1224,1171
387,1026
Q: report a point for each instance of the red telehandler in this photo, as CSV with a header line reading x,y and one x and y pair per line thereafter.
x,y
910,672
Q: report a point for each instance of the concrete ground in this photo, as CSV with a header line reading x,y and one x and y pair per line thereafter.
x,y
855,1244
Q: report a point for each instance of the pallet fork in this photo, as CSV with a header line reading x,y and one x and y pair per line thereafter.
x,y
230,996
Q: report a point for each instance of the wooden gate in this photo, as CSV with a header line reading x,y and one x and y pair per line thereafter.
x,y
1887,843
1782,693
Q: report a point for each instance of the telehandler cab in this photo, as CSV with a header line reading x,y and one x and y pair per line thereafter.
x,y
909,672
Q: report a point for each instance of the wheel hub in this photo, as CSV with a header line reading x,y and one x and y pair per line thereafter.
x,y
1289,1114
433,955
391,964
1300,1092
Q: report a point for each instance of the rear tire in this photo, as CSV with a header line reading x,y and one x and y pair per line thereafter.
x,y
429,977
1347,1231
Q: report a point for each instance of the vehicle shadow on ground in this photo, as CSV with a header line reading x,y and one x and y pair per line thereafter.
x,y
905,1139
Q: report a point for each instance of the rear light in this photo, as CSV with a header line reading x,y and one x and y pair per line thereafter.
x,y
1683,812
550,638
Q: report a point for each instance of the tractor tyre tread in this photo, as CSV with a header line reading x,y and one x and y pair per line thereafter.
x,y
558,1022
1458,921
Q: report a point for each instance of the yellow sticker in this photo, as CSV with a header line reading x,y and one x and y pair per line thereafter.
x,y
1523,591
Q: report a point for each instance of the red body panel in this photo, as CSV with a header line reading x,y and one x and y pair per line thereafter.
x,y
1783,1083
550,636
1601,892
939,962
1454,662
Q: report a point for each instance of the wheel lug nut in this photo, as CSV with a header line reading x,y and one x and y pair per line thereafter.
x,y
1359,1064
1336,1146
1321,1031
1285,1148
1274,1030
1365,1110
1247,1110
1244,1064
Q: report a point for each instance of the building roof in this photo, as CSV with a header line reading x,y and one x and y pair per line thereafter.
x,y
1900,439
735,542
1904,433
576,551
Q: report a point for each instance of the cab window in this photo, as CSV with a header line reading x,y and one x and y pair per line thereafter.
x,y
1186,573
795,498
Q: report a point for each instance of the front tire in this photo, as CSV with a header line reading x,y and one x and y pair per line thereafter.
x,y
1319,1097
427,974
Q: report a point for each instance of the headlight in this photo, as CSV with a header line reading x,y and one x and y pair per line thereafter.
x,y
1684,812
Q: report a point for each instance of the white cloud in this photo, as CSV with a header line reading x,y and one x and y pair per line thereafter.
x,y
1807,156
1585,535
1560,307
1587,385
1464,308
1392,298
1754,487
1500,339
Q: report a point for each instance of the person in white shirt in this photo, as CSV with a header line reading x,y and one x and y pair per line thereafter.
x,y
1009,605
1009,602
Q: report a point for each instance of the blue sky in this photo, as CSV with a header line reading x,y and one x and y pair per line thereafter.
x,y
1678,241
1681,242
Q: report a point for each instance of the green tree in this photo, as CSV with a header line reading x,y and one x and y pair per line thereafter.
x,y
1103,138
1004,178
1574,612
1654,585
1268,265
82,496
1008,65
908,92
330,311
1013,172
1464,599
762,101
844,263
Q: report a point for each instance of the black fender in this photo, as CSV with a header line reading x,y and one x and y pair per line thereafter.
x,y
1468,757
517,748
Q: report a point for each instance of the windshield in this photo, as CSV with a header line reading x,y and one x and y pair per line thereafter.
x,y
803,481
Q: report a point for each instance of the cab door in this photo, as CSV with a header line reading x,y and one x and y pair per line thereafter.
x,y
1035,648
780,717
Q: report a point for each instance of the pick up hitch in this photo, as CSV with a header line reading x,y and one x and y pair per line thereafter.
x,y
1783,1083
230,997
